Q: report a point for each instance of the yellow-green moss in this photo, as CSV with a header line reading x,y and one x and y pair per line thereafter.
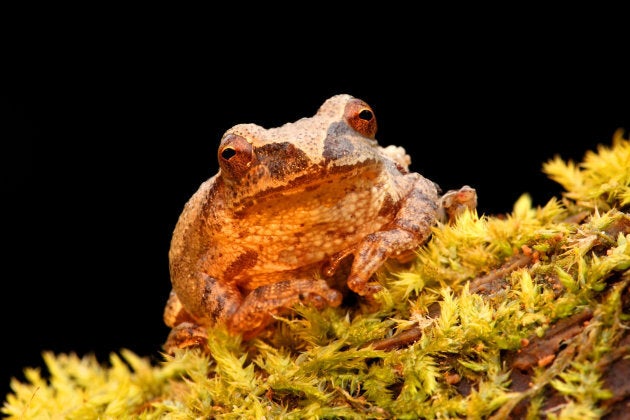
x,y
320,364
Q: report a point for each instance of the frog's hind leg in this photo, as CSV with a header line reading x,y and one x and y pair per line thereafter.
x,y
209,302
186,335
185,330
174,312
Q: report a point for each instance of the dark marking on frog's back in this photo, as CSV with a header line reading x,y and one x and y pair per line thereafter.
x,y
282,159
245,260
336,144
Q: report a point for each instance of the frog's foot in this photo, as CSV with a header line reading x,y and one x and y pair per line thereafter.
x,y
371,254
186,335
258,307
455,202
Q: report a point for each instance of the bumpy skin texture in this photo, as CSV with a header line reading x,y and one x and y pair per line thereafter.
x,y
289,207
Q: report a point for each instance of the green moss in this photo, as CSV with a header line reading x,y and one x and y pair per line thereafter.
x,y
575,254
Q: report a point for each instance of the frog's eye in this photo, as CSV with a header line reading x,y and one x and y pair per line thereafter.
x,y
235,155
360,117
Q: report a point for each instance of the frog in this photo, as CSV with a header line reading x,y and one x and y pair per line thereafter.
x,y
304,213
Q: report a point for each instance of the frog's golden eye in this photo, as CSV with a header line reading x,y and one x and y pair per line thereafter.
x,y
360,117
235,155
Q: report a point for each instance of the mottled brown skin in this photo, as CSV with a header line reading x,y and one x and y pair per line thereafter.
x,y
287,208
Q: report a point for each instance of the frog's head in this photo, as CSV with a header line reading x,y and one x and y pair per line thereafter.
x,y
337,141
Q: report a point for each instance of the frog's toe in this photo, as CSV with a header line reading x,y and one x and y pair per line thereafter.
x,y
334,297
320,300
362,287
455,202
372,289
313,299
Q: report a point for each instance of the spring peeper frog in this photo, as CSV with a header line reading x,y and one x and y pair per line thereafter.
x,y
297,213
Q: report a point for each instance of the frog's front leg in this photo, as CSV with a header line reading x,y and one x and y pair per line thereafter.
x,y
210,302
259,306
410,227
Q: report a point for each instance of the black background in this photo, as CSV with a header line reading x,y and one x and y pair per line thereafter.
x,y
105,145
